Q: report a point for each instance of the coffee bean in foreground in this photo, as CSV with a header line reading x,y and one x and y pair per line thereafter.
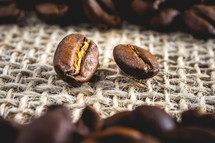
x,y
136,61
76,59
145,124
53,127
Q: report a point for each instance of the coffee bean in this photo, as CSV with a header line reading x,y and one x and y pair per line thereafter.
x,y
51,11
136,61
180,5
9,12
145,7
200,20
90,120
153,120
121,135
190,134
9,130
118,119
53,127
76,59
102,13
195,117
165,19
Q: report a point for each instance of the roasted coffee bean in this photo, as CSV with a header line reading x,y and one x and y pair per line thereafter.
x,y
153,120
190,134
136,61
164,19
145,7
121,135
118,119
53,127
195,117
200,19
102,13
180,5
9,12
9,130
90,119
51,11
76,59
146,119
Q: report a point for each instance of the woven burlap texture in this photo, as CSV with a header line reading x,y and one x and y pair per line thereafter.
x,y
29,84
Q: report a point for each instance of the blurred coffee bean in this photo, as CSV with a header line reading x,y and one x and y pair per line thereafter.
x,y
146,119
200,20
102,13
195,117
9,12
190,134
180,5
153,120
53,127
144,9
90,119
51,12
119,119
9,130
120,135
165,19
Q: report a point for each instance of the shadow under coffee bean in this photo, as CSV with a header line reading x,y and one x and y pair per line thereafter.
x,y
136,61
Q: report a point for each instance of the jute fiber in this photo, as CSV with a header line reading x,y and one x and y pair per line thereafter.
x,y
29,84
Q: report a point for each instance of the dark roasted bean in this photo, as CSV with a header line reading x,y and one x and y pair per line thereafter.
x,y
195,117
200,19
90,119
190,134
53,127
145,7
76,59
164,19
136,61
153,120
9,12
121,135
51,11
101,12
9,130
118,119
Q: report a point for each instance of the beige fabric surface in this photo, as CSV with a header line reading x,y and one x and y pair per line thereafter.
x,y
28,82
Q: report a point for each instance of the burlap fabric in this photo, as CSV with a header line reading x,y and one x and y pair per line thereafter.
x,y
28,82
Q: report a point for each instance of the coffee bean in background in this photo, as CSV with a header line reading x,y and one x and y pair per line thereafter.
x,y
51,12
166,20
142,10
135,61
102,13
200,20
9,12
76,59
180,5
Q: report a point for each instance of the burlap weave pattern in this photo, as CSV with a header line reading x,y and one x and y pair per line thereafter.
x,y
28,82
